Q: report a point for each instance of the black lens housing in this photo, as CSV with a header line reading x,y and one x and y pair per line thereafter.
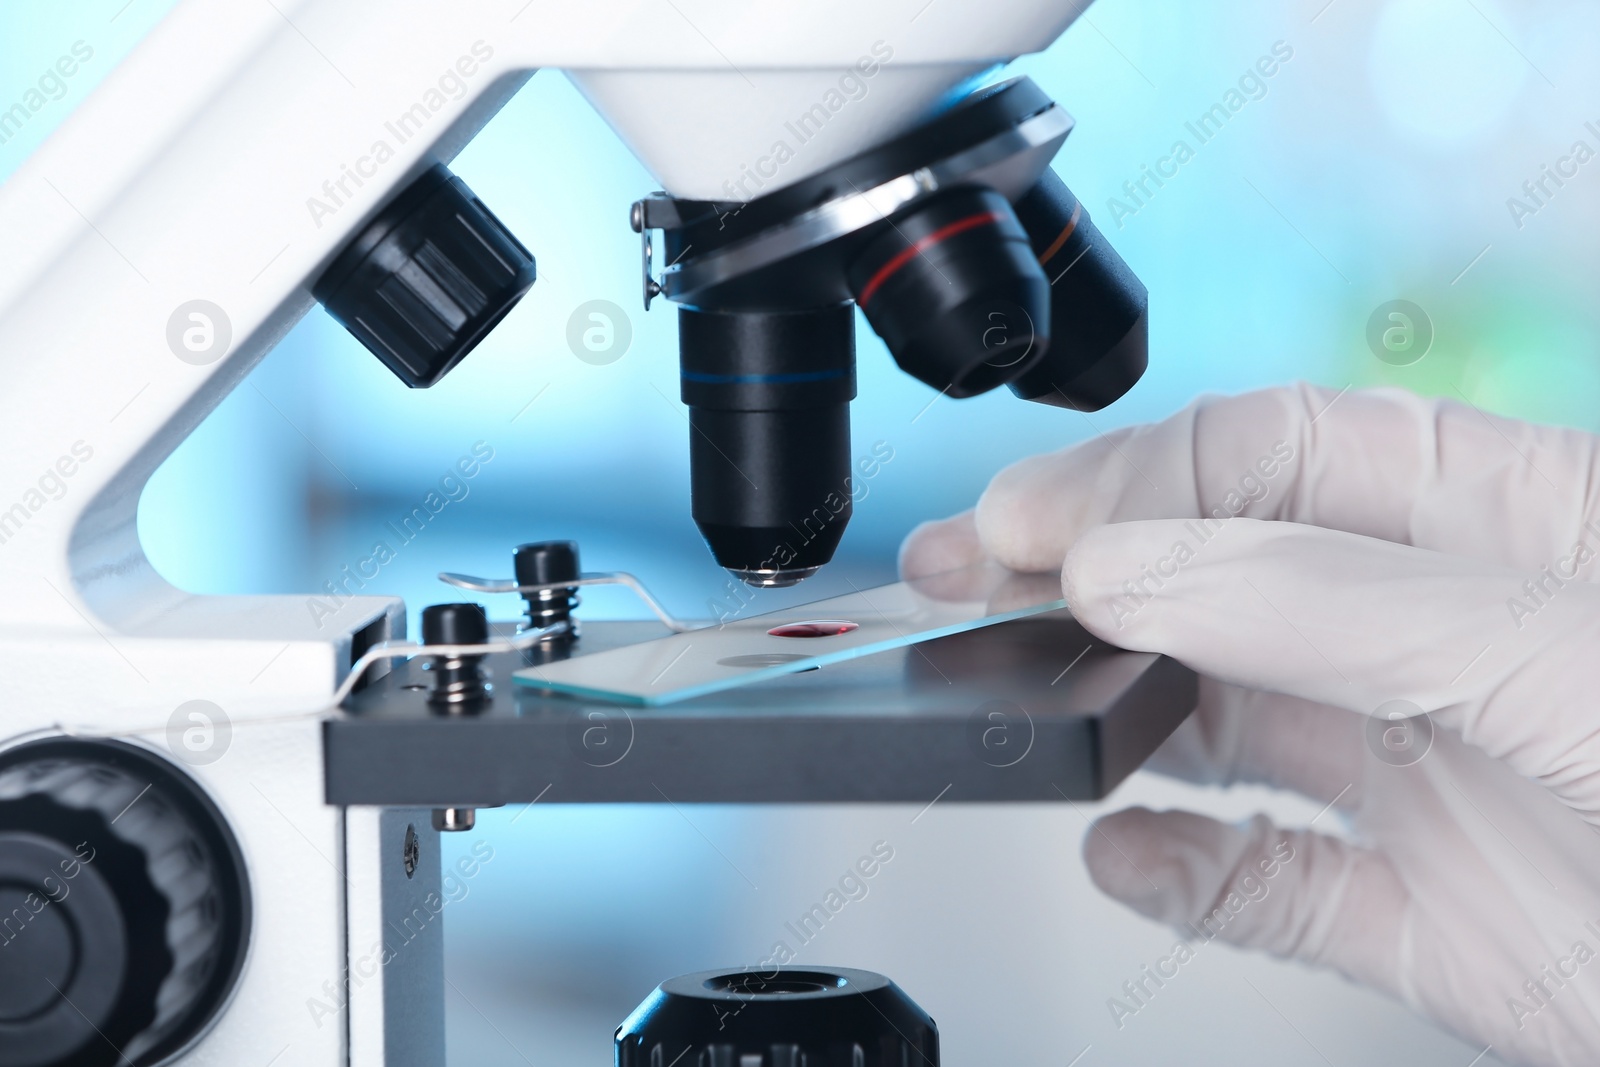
x,y
955,291
948,236
1100,346
769,445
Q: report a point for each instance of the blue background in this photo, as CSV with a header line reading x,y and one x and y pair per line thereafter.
x,y
1376,166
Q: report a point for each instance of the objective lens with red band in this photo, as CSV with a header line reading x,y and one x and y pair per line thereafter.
x,y
910,252
956,292
1101,342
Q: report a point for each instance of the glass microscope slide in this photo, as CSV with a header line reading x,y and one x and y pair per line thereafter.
x,y
732,654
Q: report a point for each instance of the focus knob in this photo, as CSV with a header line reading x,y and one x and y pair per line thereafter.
x,y
124,912
832,1017
427,279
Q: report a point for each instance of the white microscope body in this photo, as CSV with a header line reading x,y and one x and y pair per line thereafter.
x,y
228,161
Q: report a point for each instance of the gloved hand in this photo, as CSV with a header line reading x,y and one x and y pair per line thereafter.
x,y
1389,555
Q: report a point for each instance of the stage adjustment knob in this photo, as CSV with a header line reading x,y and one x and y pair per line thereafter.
x,y
124,912
427,279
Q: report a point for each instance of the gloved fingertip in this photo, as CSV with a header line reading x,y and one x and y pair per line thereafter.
x,y
1110,848
1018,518
1086,577
940,545
1167,865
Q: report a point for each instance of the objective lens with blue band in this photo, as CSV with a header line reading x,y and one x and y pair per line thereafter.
x,y
793,378
769,443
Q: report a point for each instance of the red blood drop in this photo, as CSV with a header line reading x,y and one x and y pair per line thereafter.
x,y
815,628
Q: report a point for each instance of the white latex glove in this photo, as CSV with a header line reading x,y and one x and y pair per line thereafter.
x,y
1390,549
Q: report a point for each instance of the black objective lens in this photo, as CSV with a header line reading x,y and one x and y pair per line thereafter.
x,y
769,450
956,293
1100,343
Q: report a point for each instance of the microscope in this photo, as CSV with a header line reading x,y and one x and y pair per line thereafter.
x,y
219,816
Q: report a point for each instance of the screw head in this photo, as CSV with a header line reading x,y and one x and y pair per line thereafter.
x,y
411,851
454,820
455,624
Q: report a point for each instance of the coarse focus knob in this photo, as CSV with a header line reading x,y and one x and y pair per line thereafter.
x,y
818,1017
124,910
427,279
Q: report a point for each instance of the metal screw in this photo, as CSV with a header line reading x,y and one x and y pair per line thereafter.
x,y
545,563
411,851
459,686
454,820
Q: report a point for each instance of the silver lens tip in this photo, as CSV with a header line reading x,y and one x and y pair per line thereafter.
x,y
773,578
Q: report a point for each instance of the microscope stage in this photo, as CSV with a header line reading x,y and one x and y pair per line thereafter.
x,y
1033,709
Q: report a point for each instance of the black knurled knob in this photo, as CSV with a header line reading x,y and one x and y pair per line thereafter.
x,y
455,624
545,562
816,1017
459,686
427,279
126,910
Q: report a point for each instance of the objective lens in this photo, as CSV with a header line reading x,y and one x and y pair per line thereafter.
x,y
769,452
1099,344
956,293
